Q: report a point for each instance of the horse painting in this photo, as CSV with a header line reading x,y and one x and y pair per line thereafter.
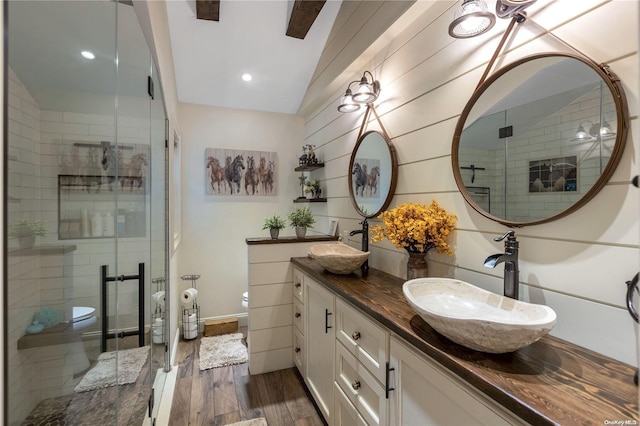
x,y
216,174
133,172
268,181
233,170
109,165
262,174
372,181
251,176
360,178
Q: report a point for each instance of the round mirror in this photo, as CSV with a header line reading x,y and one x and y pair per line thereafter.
x,y
372,174
540,138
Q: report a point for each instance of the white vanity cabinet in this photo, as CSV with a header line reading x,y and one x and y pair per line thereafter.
x,y
426,394
298,321
319,338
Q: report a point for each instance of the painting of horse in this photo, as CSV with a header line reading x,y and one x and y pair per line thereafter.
x,y
240,173
366,176
359,179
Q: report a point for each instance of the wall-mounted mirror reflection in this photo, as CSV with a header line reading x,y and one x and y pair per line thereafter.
x,y
372,174
539,139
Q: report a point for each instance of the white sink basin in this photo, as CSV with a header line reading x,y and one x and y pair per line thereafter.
x,y
476,318
338,258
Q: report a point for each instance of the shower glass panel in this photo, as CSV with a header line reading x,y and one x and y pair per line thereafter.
x,y
86,164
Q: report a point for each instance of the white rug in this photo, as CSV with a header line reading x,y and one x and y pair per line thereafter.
x,y
260,421
103,375
219,351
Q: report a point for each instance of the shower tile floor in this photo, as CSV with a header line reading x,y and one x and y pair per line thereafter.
x,y
127,402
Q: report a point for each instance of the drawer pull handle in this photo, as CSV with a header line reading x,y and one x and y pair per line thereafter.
x,y
355,335
297,285
387,387
355,384
326,321
298,314
297,350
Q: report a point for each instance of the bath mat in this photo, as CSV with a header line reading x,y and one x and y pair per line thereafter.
x,y
103,375
260,421
219,351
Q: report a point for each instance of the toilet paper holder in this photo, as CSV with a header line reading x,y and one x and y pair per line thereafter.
x,y
191,315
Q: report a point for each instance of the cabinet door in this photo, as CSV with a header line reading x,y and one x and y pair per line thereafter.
x,y
426,394
360,387
364,338
320,341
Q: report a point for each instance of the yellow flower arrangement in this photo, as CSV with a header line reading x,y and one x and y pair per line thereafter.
x,y
416,227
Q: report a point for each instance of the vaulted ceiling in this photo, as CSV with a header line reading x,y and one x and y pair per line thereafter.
x,y
267,40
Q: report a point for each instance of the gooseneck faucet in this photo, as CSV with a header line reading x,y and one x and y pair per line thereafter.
x,y
365,241
510,259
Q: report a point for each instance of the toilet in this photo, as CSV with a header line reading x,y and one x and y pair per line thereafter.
x,y
83,317
245,301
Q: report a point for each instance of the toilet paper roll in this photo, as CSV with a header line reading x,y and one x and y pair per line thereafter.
x,y
158,297
190,334
189,296
158,338
159,322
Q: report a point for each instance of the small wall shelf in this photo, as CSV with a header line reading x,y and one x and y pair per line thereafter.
x,y
310,200
309,168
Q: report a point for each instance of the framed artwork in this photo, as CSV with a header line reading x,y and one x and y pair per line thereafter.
x,y
558,174
333,227
233,172
366,173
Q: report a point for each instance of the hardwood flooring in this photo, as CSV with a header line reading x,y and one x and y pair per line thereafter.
x,y
224,395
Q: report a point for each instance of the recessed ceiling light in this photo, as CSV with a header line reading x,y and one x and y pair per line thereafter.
x,y
246,77
87,54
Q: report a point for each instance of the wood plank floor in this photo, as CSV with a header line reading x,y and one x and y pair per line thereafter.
x,y
224,395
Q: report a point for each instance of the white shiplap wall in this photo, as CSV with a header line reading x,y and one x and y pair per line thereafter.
x,y
579,264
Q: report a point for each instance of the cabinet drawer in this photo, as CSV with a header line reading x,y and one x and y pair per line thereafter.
x,y
360,387
298,284
365,339
298,350
298,315
345,413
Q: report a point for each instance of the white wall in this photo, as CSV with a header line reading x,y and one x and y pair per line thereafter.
x,y
579,264
214,228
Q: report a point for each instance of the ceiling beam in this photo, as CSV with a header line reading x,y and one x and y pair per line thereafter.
x,y
208,9
303,15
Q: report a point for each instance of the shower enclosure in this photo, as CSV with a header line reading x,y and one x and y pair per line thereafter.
x,y
85,198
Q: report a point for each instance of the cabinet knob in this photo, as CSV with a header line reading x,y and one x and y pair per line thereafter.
x,y
355,335
297,285
355,384
297,350
298,314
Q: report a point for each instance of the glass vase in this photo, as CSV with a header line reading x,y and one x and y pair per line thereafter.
x,y
417,266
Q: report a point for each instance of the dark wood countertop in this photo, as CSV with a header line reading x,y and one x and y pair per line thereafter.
x,y
287,240
549,382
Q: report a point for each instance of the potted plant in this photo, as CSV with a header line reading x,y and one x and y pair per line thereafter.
x,y
274,224
312,189
301,219
26,230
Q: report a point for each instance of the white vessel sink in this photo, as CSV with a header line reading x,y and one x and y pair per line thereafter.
x,y
338,258
476,318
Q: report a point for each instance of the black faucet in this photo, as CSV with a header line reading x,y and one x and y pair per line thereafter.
x,y
510,259
365,241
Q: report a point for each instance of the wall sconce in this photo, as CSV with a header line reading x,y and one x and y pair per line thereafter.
x,y
603,130
366,93
473,18
470,19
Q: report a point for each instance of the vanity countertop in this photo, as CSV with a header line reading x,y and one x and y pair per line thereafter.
x,y
549,382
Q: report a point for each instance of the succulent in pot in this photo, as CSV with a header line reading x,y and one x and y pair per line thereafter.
x,y
301,219
26,230
274,224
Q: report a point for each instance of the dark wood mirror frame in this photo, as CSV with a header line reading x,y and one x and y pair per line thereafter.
x,y
394,167
622,115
